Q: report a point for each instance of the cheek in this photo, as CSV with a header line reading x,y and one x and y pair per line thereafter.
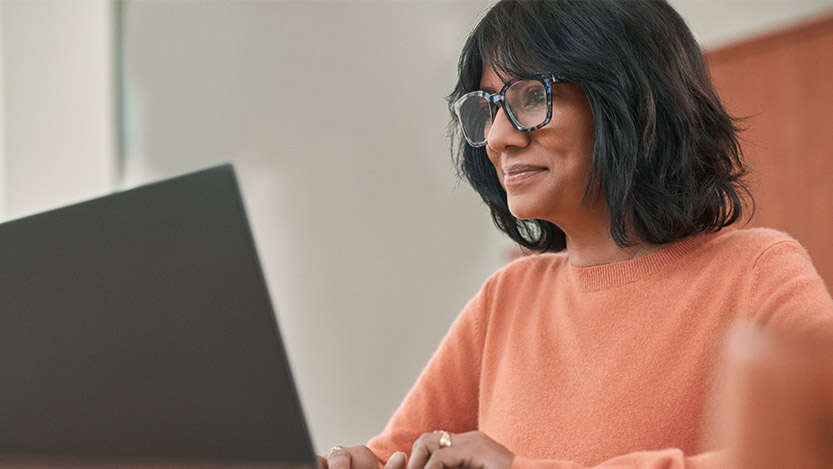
x,y
588,132
588,149
495,160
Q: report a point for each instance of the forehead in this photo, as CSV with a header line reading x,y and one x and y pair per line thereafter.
x,y
490,80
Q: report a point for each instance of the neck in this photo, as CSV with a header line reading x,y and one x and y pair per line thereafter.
x,y
598,248
589,242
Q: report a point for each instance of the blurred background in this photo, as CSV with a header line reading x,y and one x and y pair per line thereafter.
x,y
333,113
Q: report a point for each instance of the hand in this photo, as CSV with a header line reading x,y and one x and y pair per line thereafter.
x,y
355,457
472,450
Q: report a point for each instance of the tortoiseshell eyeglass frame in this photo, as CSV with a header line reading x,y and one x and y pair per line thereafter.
x,y
498,99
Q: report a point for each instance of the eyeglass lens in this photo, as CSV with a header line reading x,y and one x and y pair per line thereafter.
x,y
524,101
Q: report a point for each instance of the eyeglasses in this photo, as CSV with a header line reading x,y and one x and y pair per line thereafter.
x,y
526,102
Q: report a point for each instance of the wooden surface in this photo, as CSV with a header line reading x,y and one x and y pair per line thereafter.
x,y
782,84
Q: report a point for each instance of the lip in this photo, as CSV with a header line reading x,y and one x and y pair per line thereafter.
x,y
519,174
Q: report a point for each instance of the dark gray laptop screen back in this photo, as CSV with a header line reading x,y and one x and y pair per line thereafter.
x,y
138,325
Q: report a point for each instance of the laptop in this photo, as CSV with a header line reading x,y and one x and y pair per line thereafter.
x,y
136,330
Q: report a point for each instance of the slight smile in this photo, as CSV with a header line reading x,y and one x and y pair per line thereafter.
x,y
519,174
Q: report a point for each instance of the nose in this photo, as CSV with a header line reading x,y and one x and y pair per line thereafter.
x,y
502,134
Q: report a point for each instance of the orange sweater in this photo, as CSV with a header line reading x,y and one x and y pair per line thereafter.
x,y
607,365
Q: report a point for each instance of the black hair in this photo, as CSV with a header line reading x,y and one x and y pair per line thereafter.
x,y
666,154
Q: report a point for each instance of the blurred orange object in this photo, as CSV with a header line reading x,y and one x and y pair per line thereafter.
x,y
780,401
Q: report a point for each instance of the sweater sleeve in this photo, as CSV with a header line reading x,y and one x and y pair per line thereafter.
x,y
445,396
663,459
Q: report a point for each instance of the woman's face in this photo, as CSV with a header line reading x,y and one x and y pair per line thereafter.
x,y
544,172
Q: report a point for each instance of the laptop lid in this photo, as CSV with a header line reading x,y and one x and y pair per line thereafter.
x,y
138,327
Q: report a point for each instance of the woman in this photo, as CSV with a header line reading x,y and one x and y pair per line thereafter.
x,y
592,132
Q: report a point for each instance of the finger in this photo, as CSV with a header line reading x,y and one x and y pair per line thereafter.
x,y
452,454
421,450
338,458
362,457
322,462
398,460
423,447
448,457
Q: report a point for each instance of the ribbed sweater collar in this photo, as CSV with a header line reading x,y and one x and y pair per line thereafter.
x,y
606,276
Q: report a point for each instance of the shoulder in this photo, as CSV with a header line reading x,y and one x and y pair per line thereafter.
x,y
512,288
531,267
758,237
753,244
751,253
524,278
784,289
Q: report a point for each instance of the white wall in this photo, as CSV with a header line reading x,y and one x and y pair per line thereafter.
x,y
2,122
333,113
719,22
57,103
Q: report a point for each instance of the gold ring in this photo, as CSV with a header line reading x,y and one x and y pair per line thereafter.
x,y
445,439
332,450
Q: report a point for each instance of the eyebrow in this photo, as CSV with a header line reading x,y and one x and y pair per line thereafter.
x,y
491,90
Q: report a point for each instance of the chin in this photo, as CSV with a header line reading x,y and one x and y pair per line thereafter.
x,y
524,213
